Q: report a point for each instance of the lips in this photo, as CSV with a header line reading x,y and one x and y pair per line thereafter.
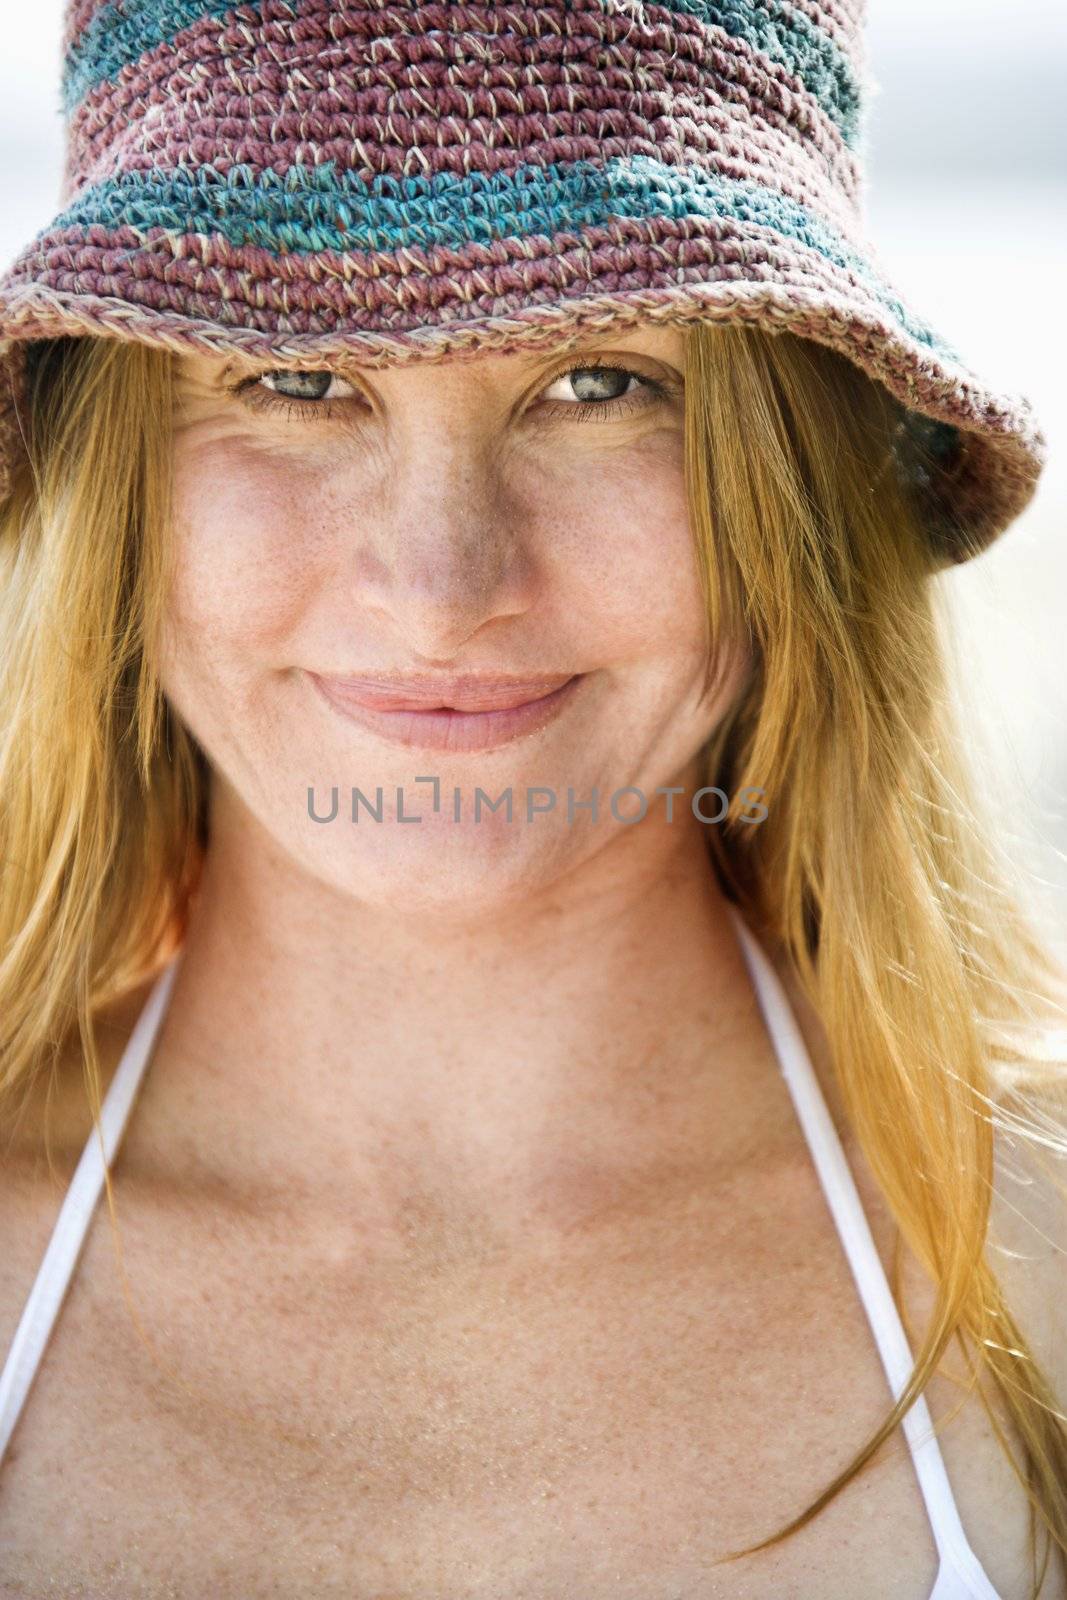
x,y
458,694
463,717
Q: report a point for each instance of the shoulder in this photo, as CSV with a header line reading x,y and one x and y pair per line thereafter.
x,y
40,1147
1027,1252
1027,1238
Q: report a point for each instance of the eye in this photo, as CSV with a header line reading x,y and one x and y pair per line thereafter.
x,y
603,390
307,393
307,385
606,389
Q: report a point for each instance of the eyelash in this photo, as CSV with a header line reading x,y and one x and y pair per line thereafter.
x,y
261,399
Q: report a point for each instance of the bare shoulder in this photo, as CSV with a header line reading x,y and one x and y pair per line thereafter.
x,y
1027,1251
1027,1240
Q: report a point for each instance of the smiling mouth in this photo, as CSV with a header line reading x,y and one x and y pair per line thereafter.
x,y
486,718
467,695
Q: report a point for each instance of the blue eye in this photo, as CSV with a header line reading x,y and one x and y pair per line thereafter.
x,y
604,385
612,379
304,393
604,389
304,385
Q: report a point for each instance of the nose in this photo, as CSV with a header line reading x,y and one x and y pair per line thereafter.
x,y
444,550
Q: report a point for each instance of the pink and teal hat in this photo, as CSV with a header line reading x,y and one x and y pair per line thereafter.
x,y
297,178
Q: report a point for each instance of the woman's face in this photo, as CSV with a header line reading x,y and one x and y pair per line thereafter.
x,y
512,516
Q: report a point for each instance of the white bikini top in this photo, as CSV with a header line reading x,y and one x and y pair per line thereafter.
x,y
960,1575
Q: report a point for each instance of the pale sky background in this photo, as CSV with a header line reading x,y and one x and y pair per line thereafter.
x,y
966,201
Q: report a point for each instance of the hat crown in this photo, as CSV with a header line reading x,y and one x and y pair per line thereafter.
x,y
722,84
816,40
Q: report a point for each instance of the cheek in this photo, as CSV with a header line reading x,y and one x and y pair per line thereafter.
x,y
256,545
243,534
626,542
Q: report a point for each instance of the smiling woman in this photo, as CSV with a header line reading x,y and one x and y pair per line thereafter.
x,y
508,1197
734,613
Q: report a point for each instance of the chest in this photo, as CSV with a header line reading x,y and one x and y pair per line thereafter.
x,y
607,1415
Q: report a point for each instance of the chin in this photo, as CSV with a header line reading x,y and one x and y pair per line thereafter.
x,y
435,867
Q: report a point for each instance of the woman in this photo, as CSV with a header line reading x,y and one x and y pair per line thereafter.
x,y
483,824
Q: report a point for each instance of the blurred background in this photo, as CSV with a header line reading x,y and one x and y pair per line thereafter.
x,y
966,196
966,132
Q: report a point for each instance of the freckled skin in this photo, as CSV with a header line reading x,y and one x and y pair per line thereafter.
x,y
442,517
465,516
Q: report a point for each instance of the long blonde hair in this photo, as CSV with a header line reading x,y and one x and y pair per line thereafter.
x,y
875,872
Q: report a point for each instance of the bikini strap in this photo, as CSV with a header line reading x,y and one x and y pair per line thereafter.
x,y
854,1230
79,1203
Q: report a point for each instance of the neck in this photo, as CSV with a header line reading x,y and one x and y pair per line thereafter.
x,y
326,1041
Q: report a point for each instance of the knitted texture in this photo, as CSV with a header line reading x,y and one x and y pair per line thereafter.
x,y
297,178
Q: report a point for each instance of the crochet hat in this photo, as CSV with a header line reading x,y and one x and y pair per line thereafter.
x,y
297,178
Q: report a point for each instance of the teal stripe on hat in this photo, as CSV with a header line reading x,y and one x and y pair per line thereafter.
x,y
312,208
790,39
122,31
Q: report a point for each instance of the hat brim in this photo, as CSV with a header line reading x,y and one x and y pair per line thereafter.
x,y
195,292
